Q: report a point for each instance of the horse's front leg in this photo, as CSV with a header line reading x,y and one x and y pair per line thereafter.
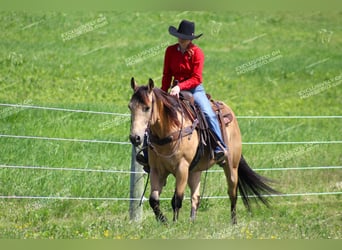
x,y
194,184
157,183
181,181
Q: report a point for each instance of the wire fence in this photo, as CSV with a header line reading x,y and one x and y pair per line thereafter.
x,y
130,172
138,172
14,197
128,143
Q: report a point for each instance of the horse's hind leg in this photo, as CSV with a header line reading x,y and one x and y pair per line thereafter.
x,y
156,188
232,180
194,184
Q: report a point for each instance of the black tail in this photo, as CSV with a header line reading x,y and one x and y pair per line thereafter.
x,y
253,186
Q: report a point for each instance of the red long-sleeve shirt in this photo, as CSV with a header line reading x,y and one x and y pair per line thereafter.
x,y
186,68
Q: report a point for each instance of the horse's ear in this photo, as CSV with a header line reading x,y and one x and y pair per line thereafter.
x,y
150,85
133,84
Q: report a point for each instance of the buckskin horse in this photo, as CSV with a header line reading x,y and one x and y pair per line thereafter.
x,y
173,142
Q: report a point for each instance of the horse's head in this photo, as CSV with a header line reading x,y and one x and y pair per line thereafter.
x,y
140,106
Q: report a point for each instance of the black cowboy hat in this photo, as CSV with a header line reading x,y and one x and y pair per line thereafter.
x,y
186,30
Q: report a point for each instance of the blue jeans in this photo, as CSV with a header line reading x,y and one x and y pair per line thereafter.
x,y
203,103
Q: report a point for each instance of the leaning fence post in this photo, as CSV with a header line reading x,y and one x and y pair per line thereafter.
x,y
136,188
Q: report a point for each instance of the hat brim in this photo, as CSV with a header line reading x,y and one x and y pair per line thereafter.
x,y
173,31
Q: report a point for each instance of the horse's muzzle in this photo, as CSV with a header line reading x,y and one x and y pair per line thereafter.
x,y
135,140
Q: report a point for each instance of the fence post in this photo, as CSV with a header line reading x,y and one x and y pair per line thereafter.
x,y
136,189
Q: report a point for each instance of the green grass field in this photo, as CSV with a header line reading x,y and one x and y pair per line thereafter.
x,y
259,63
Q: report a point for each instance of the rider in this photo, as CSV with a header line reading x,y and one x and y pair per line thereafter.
x,y
183,63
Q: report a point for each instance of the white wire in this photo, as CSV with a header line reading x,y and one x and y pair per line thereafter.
x,y
63,139
140,172
62,109
291,117
291,142
138,199
73,169
127,143
288,169
278,195
122,114
68,198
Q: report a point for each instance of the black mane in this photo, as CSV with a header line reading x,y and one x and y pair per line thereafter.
x,y
171,105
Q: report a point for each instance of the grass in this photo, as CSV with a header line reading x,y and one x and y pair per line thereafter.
x,y
91,72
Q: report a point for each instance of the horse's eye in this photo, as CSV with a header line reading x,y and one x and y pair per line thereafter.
x,y
146,108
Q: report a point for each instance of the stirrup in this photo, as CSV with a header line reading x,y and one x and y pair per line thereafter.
x,y
219,156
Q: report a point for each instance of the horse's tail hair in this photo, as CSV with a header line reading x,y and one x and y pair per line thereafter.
x,y
253,186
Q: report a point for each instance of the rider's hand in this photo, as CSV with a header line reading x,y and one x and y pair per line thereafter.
x,y
175,91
